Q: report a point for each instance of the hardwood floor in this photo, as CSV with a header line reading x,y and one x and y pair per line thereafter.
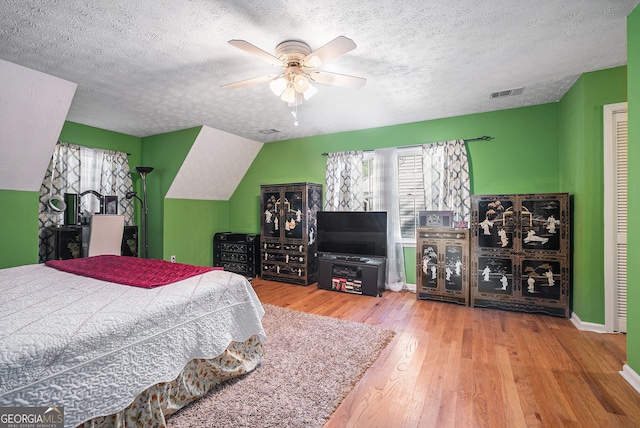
x,y
454,366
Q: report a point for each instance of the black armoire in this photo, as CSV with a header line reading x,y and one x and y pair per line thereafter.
x,y
288,228
521,252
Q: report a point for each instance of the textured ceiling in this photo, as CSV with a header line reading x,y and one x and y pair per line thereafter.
x,y
149,67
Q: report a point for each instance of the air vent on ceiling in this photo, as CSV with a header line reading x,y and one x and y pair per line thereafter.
x,y
507,93
269,131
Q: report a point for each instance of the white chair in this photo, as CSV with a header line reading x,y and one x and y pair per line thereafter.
x,y
105,234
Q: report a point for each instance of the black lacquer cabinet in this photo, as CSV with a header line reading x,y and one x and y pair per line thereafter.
x,y
521,257
288,230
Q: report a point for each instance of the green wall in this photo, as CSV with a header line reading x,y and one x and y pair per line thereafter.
x,y
633,237
582,175
189,229
166,153
522,157
20,235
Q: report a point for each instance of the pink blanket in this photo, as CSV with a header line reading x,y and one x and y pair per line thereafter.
x,y
145,273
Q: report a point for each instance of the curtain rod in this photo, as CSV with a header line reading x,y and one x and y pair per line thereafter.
x,y
128,154
483,138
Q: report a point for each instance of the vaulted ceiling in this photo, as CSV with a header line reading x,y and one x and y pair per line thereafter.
x,y
145,67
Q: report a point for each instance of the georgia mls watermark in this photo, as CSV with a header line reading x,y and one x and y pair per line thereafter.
x,y
32,417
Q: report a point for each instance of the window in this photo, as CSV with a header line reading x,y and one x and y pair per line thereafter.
x,y
75,169
430,177
90,177
410,192
410,189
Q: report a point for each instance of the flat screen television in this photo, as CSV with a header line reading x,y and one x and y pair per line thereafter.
x,y
352,233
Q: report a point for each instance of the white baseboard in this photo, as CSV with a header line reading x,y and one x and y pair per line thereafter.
x,y
412,288
627,372
631,376
587,326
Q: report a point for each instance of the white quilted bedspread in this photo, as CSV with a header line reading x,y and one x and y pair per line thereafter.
x,y
91,346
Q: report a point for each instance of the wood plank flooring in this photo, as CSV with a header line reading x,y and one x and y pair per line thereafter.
x,y
454,366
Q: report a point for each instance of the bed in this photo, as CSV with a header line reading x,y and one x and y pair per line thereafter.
x,y
108,352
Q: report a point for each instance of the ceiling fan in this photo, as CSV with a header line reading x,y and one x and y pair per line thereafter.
x,y
300,66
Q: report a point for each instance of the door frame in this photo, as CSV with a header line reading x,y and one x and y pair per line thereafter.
x,y
610,298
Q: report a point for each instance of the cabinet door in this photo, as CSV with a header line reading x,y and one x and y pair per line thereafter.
x,y
543,279
271,221
314,204
542,223
68,243
292,209
454,274
429,268
495,275
494,220
130,241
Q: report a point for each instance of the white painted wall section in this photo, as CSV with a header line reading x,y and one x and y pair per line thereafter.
x,y
33,108
214,166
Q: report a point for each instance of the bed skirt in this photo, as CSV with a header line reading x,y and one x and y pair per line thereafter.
x,y
199,376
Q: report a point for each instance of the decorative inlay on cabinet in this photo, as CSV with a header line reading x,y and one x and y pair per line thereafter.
x,y
237,252
442,271
288,232
521,252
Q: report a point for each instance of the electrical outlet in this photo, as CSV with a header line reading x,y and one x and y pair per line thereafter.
x,y
173,259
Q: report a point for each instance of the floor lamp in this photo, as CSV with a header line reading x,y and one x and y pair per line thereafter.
x,y
143,171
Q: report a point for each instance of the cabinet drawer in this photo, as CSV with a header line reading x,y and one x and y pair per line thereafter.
x,y
283,269
297,248
230,247
283,257
234,257
271,246
237,268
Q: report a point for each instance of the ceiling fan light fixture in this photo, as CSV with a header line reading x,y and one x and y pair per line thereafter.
x,y
300,83
300,66
289,94
278,85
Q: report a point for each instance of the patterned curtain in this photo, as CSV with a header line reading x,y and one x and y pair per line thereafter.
x,y
447,185
65,175
344,182
62,176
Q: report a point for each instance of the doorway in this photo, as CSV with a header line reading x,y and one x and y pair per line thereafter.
x,y
615,216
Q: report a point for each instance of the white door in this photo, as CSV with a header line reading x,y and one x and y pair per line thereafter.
x,y
615,215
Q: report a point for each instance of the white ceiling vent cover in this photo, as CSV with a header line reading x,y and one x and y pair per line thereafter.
x,y
507,93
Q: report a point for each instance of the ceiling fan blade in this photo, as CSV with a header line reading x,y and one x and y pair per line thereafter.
x,y
336,47
256,51
249,82
337,79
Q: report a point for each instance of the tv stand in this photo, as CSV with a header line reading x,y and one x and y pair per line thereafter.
x,y
352,274
352,259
